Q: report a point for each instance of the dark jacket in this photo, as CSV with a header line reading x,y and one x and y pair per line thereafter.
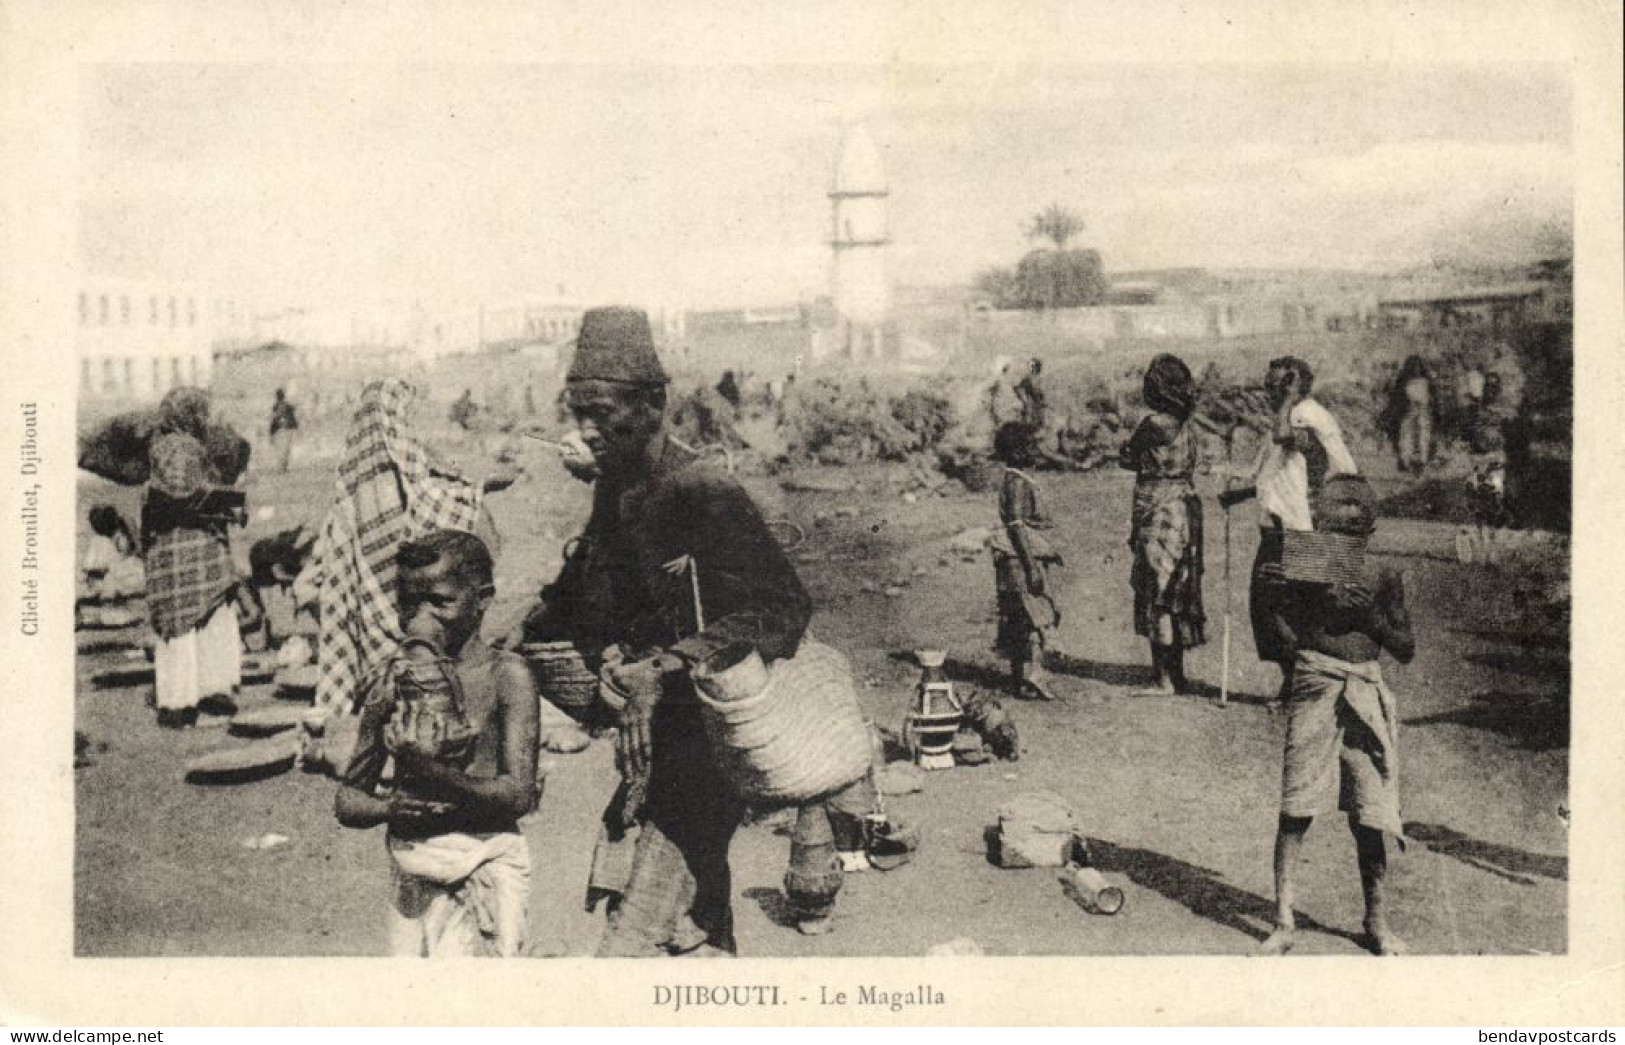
x,y
615,586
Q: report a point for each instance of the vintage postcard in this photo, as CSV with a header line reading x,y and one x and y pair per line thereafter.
x,y
981,512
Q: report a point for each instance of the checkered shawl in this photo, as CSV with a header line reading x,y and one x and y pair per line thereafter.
x,y
388,493
189,568
189,574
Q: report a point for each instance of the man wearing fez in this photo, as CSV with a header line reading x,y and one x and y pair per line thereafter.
x,y
676,563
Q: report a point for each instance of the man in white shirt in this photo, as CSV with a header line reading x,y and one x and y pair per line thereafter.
x,y
1305,448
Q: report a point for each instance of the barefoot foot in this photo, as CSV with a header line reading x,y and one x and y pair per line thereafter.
x,y
1381,941
1278,942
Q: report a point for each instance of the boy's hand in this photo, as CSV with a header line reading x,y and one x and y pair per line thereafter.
x,y
406,811
1355,598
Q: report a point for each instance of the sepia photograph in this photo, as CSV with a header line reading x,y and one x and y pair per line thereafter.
x,y
818,508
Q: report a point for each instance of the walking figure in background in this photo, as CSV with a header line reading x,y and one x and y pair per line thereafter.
x,y
1021,562
1166,531
284,422
463,410
1034,404
728,389
1410,415
1341,719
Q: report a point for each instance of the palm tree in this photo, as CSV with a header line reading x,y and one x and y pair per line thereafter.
x,y
1056,224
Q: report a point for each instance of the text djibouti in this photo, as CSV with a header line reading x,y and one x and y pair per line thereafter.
x,y
30,462
681,996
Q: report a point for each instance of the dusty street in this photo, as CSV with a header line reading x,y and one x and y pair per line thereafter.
x,y
1178,795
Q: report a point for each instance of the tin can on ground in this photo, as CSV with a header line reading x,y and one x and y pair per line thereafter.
x,y
1090,890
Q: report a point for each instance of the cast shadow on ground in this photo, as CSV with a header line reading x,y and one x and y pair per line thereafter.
x,y
774,904
1201,891
123,678
1545,640
996,678
1138,677
1502,861
1533,722
1542,665
91,642
1434,500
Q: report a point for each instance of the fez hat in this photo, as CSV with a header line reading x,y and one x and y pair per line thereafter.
x,y
615,344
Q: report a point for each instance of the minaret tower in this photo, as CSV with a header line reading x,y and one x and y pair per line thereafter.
x,y
858,237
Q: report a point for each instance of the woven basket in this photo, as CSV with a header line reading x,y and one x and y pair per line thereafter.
x,y
561,675
1322,558
787,733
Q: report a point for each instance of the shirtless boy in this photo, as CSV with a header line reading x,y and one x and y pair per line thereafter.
x,y
461,868
1341,720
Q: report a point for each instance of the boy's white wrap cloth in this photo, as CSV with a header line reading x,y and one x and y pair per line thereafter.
x,y
1342,739
457,896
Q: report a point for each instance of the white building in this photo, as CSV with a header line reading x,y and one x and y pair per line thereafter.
x,y
859,235
519,322
138,339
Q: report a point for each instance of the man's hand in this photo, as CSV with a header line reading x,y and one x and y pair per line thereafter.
x,y
634,742
641,683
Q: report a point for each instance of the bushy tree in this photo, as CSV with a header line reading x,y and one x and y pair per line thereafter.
x,y
1060,279
1051,277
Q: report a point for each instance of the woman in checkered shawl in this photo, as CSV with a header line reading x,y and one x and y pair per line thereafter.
x,y
191,582
1166,532
389,491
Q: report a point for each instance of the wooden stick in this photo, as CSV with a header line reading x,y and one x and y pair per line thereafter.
x,y
694,582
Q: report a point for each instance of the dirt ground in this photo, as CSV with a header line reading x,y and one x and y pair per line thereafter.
x,y
1178,795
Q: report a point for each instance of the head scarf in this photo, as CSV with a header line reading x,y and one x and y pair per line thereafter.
x,y
185,410
180,465
1169,387
387,493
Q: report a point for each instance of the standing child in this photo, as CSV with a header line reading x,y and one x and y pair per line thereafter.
x,y
1341,720
464,748
1021,562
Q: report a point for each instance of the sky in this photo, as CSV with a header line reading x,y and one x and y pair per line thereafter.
x,y
706,185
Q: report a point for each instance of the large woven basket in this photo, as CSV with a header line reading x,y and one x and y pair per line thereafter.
x,y
1322,558
561,675
790,732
